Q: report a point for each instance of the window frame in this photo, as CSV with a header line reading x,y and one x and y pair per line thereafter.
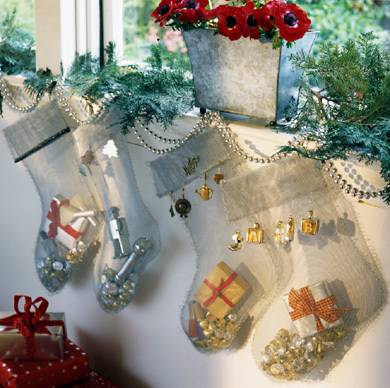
x,y
66,27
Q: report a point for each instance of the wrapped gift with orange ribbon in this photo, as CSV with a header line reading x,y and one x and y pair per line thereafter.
x,y
221,290
313,309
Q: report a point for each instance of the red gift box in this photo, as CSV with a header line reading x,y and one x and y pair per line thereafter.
x,y
26,334
94,381
36,374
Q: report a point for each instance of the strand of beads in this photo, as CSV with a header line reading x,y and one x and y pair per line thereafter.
x,y
59,93
229,138
209,119
10,100
347,187
176,142
162,138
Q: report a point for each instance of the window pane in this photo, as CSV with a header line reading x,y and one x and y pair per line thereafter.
x,y
140,31
24,15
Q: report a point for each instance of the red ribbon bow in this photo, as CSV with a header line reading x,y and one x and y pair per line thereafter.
x,y
303,304
217,291
55,218
31,322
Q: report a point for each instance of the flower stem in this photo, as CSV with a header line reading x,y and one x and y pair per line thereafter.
x,y
211,4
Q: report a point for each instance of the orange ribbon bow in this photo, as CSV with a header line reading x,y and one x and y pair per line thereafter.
x,y
303,304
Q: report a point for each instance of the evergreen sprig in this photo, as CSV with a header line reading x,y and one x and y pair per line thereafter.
x,y
39,83
346,93
17,53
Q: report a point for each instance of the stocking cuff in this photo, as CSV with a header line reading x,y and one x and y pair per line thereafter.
x,y
168,172
36,130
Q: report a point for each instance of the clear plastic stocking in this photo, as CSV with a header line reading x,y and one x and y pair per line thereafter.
x,y
70,217
131,238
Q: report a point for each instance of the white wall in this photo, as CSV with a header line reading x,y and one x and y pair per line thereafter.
x,y
144,346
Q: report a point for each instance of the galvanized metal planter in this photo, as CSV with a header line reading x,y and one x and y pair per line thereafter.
x,y
246,77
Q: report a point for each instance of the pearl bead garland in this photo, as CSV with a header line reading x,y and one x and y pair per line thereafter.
x,y
10,101
209,119
59,93
347,187
213,120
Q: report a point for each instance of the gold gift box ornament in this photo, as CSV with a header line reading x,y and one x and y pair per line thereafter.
x,y
255,234
310,226
221,290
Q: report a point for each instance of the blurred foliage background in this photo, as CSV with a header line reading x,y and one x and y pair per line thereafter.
x,y
24,13
340,20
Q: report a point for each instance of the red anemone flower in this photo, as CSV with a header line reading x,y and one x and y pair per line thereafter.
x,y
252,19
164,11
267,14
292,22
230,21
191,11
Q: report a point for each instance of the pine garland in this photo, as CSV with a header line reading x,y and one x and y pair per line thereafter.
x,y
161,91
346,103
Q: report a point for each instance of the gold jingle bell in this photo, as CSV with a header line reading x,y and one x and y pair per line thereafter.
x,y
205,192
238,240
73,257
255,234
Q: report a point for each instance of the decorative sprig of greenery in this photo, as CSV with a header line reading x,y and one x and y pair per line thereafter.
x,y
17,53
345,108
39,83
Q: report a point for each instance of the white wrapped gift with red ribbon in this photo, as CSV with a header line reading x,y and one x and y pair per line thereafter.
x,y
67,221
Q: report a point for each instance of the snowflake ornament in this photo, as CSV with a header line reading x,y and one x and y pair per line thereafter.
x,y
110,149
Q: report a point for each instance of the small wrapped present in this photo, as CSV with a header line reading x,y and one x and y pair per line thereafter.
x,y
32,334
221,290
43,374
313,309
67,222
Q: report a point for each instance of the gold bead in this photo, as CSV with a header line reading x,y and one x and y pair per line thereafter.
x,y
210,317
